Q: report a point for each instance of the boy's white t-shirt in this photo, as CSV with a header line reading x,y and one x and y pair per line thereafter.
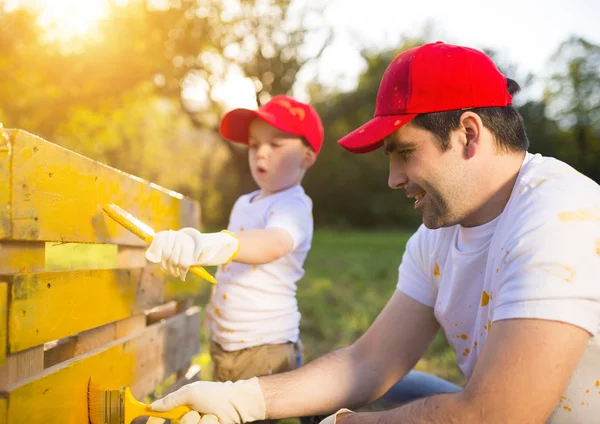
x,y
254,305
539,259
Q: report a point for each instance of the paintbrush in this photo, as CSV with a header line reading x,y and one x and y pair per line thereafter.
x,y
146,233
120,407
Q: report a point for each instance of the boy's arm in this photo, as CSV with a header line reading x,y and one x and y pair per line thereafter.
x,y
263,246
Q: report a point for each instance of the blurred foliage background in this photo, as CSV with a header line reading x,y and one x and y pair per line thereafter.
x,y
141,85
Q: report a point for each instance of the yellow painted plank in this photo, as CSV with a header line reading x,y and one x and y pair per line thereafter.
x,y
5,156
21,257
142,362
49,306
79,256
3,410
3,321
57,195
18,257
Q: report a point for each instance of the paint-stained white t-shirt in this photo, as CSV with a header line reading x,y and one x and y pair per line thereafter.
x,y
254,305
539,259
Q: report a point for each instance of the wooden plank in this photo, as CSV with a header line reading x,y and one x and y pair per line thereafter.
x,y
5,181
3,410
21,365
57,195
78,256
18,257
60,392
131,257
67,348
48,306
22,256
3,321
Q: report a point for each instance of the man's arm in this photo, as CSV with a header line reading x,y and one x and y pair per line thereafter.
x,y
263,246
520,375
358,374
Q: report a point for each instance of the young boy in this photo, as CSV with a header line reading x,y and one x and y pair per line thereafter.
x,y
253,311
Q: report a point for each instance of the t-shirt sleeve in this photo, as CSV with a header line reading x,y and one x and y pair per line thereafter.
x,y
550,268
413,279
293,215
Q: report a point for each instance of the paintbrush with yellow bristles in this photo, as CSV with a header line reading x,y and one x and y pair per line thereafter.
x,y
120,407
146,233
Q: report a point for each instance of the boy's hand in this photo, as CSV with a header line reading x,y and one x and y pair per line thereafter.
x,y
177,251
237,402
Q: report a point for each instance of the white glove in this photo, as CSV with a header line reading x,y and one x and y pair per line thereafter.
x,y
177,251
237,402
194,418
332,419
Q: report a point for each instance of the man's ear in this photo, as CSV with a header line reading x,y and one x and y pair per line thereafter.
x,y
472,127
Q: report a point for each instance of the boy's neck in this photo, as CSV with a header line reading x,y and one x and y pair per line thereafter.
x,y
264,193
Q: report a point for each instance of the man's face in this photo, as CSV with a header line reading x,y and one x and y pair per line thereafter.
x,y
437,180
277,160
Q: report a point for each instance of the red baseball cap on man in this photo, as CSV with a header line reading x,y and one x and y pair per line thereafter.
x,y
282,112
434,77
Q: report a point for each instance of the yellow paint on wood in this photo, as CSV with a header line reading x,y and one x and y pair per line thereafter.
x,y
142,362
21,257
5,156
49,306
57,195
3,411
3,321
78,256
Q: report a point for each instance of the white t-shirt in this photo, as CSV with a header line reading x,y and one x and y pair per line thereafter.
x,y
539,259
254,305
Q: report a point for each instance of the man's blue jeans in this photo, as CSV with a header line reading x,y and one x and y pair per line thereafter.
x,y
413,386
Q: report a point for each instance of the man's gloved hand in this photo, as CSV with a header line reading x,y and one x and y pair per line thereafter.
x,y
237,402
194,418
177,251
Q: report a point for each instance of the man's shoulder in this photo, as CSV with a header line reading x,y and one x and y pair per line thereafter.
x,y
547,185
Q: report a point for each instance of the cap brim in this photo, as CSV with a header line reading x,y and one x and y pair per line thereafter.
x,y
370,136
235,125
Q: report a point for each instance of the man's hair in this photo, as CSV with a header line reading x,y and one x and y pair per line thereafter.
x,y
505,123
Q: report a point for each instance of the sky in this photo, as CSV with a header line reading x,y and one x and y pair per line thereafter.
x,y
525,32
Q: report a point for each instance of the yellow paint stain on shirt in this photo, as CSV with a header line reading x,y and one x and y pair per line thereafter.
x,y
218,312
242,341
241,228
223,268
464,336
253,267
597,383
489,326
475,345
497,270
436,269
224,296
485,298
566,408
466,352
598,247
587,391
272,213
579,215
563,398
539,182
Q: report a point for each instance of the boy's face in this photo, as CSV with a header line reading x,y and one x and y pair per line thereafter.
x,y
278,160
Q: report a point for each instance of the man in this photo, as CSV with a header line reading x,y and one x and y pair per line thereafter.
x,y
507,263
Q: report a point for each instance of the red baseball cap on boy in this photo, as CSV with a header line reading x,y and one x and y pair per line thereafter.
x,y
434,77
282,112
